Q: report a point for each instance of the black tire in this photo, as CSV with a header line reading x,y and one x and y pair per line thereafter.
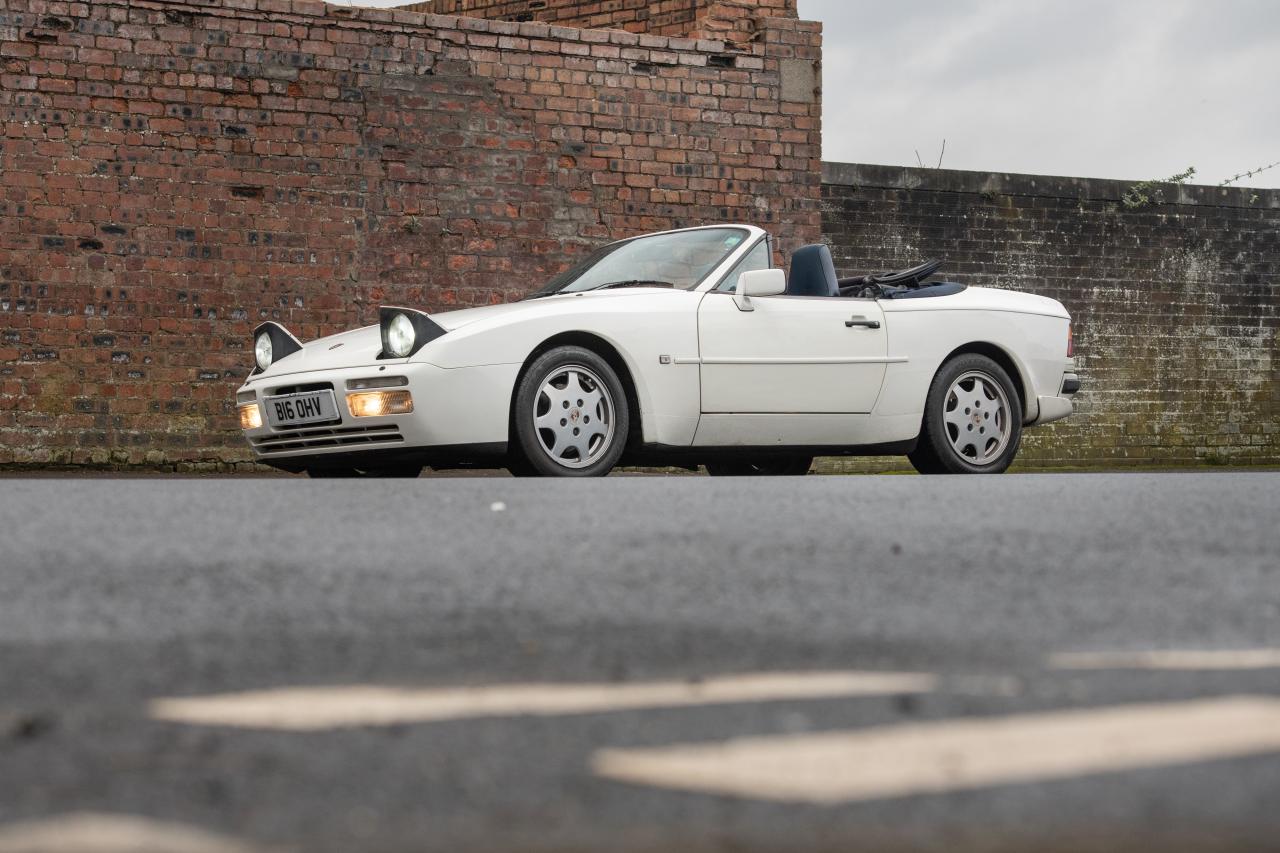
x,y
942,448
407,472
553,449
763,466
924,460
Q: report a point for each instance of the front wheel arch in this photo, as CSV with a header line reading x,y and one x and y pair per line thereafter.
x,y
601,347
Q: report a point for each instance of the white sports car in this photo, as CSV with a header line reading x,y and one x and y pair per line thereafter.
x,y
680,348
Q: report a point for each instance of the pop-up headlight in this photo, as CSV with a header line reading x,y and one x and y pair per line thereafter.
x,y
272,342
262,351
405,331
400,336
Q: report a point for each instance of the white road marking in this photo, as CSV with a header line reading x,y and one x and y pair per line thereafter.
x,y
1200,659
925,758
314,708
87,832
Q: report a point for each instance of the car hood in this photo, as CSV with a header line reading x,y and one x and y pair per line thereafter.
x,y
362,346
451,320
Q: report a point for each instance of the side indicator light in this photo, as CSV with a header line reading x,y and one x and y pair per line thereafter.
x,y
250,416
373,404
1071,343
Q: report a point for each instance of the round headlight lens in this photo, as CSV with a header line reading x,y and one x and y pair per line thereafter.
x,y
262,351
400,336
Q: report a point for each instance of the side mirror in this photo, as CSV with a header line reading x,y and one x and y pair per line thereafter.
x,y
758,283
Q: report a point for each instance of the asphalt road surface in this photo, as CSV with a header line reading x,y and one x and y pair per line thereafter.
x,y
1027,662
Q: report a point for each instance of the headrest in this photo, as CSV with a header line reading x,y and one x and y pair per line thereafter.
x,y
812,272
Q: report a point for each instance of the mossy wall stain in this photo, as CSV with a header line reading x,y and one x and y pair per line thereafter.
x,y
1174,304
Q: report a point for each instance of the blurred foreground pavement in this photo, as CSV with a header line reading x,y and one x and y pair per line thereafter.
x,y
1033,662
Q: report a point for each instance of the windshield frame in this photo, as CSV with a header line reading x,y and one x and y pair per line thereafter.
x,y
752,234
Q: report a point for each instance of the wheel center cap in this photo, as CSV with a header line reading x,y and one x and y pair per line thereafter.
x,y
575,415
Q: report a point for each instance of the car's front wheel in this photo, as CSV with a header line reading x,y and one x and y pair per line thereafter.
x,y
972,420
571,417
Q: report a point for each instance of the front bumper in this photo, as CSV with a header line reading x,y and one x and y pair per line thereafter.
x,y
455,411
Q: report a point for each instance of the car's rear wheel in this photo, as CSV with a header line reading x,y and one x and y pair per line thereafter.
x,y
972,421
398,472
764,466
571,417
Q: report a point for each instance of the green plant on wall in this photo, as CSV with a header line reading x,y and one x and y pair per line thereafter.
x,y
1141,194
1144,193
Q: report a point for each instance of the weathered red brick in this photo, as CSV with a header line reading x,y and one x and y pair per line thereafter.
x,y
205,197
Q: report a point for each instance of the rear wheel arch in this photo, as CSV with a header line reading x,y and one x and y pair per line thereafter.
x,y
601,347
990,402
1002,357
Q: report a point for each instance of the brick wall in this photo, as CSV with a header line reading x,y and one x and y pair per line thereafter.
x,y
177,172
1174,303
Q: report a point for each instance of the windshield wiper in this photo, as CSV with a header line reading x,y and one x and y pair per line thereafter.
x,y
633,282
608,285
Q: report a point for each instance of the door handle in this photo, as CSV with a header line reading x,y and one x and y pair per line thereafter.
x,y
858,320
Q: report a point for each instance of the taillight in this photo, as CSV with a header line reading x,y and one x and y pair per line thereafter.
x,y
1071,343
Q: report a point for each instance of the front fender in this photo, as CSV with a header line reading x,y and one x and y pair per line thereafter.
x,y
641,328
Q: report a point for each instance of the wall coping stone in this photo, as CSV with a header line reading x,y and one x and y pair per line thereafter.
x,y
382,18
1043,186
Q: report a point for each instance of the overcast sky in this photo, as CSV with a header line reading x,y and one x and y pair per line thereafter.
x,y
1099,88
1130,89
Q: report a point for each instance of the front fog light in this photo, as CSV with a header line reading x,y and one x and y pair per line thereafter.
x,y
400,336
262,351
373,404
250,416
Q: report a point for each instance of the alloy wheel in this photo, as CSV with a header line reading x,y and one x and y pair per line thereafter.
x,y
573,416
977,417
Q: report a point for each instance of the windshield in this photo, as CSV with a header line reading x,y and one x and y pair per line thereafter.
x,y
681,259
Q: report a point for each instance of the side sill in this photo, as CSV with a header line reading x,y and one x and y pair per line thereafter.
x,y
666,454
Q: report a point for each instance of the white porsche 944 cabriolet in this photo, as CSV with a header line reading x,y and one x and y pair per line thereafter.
x,y
681,348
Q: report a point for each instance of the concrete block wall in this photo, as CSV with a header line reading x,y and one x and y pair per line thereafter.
x,y
1174,303
174,173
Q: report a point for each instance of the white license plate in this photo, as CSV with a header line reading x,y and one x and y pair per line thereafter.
x,y
307,408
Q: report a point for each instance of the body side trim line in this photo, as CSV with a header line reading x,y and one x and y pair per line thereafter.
x,y
878,359
902,308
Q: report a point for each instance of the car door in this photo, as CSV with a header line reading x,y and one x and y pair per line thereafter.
x,y
791,354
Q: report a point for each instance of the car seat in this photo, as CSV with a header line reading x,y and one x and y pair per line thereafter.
x,y
812,272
